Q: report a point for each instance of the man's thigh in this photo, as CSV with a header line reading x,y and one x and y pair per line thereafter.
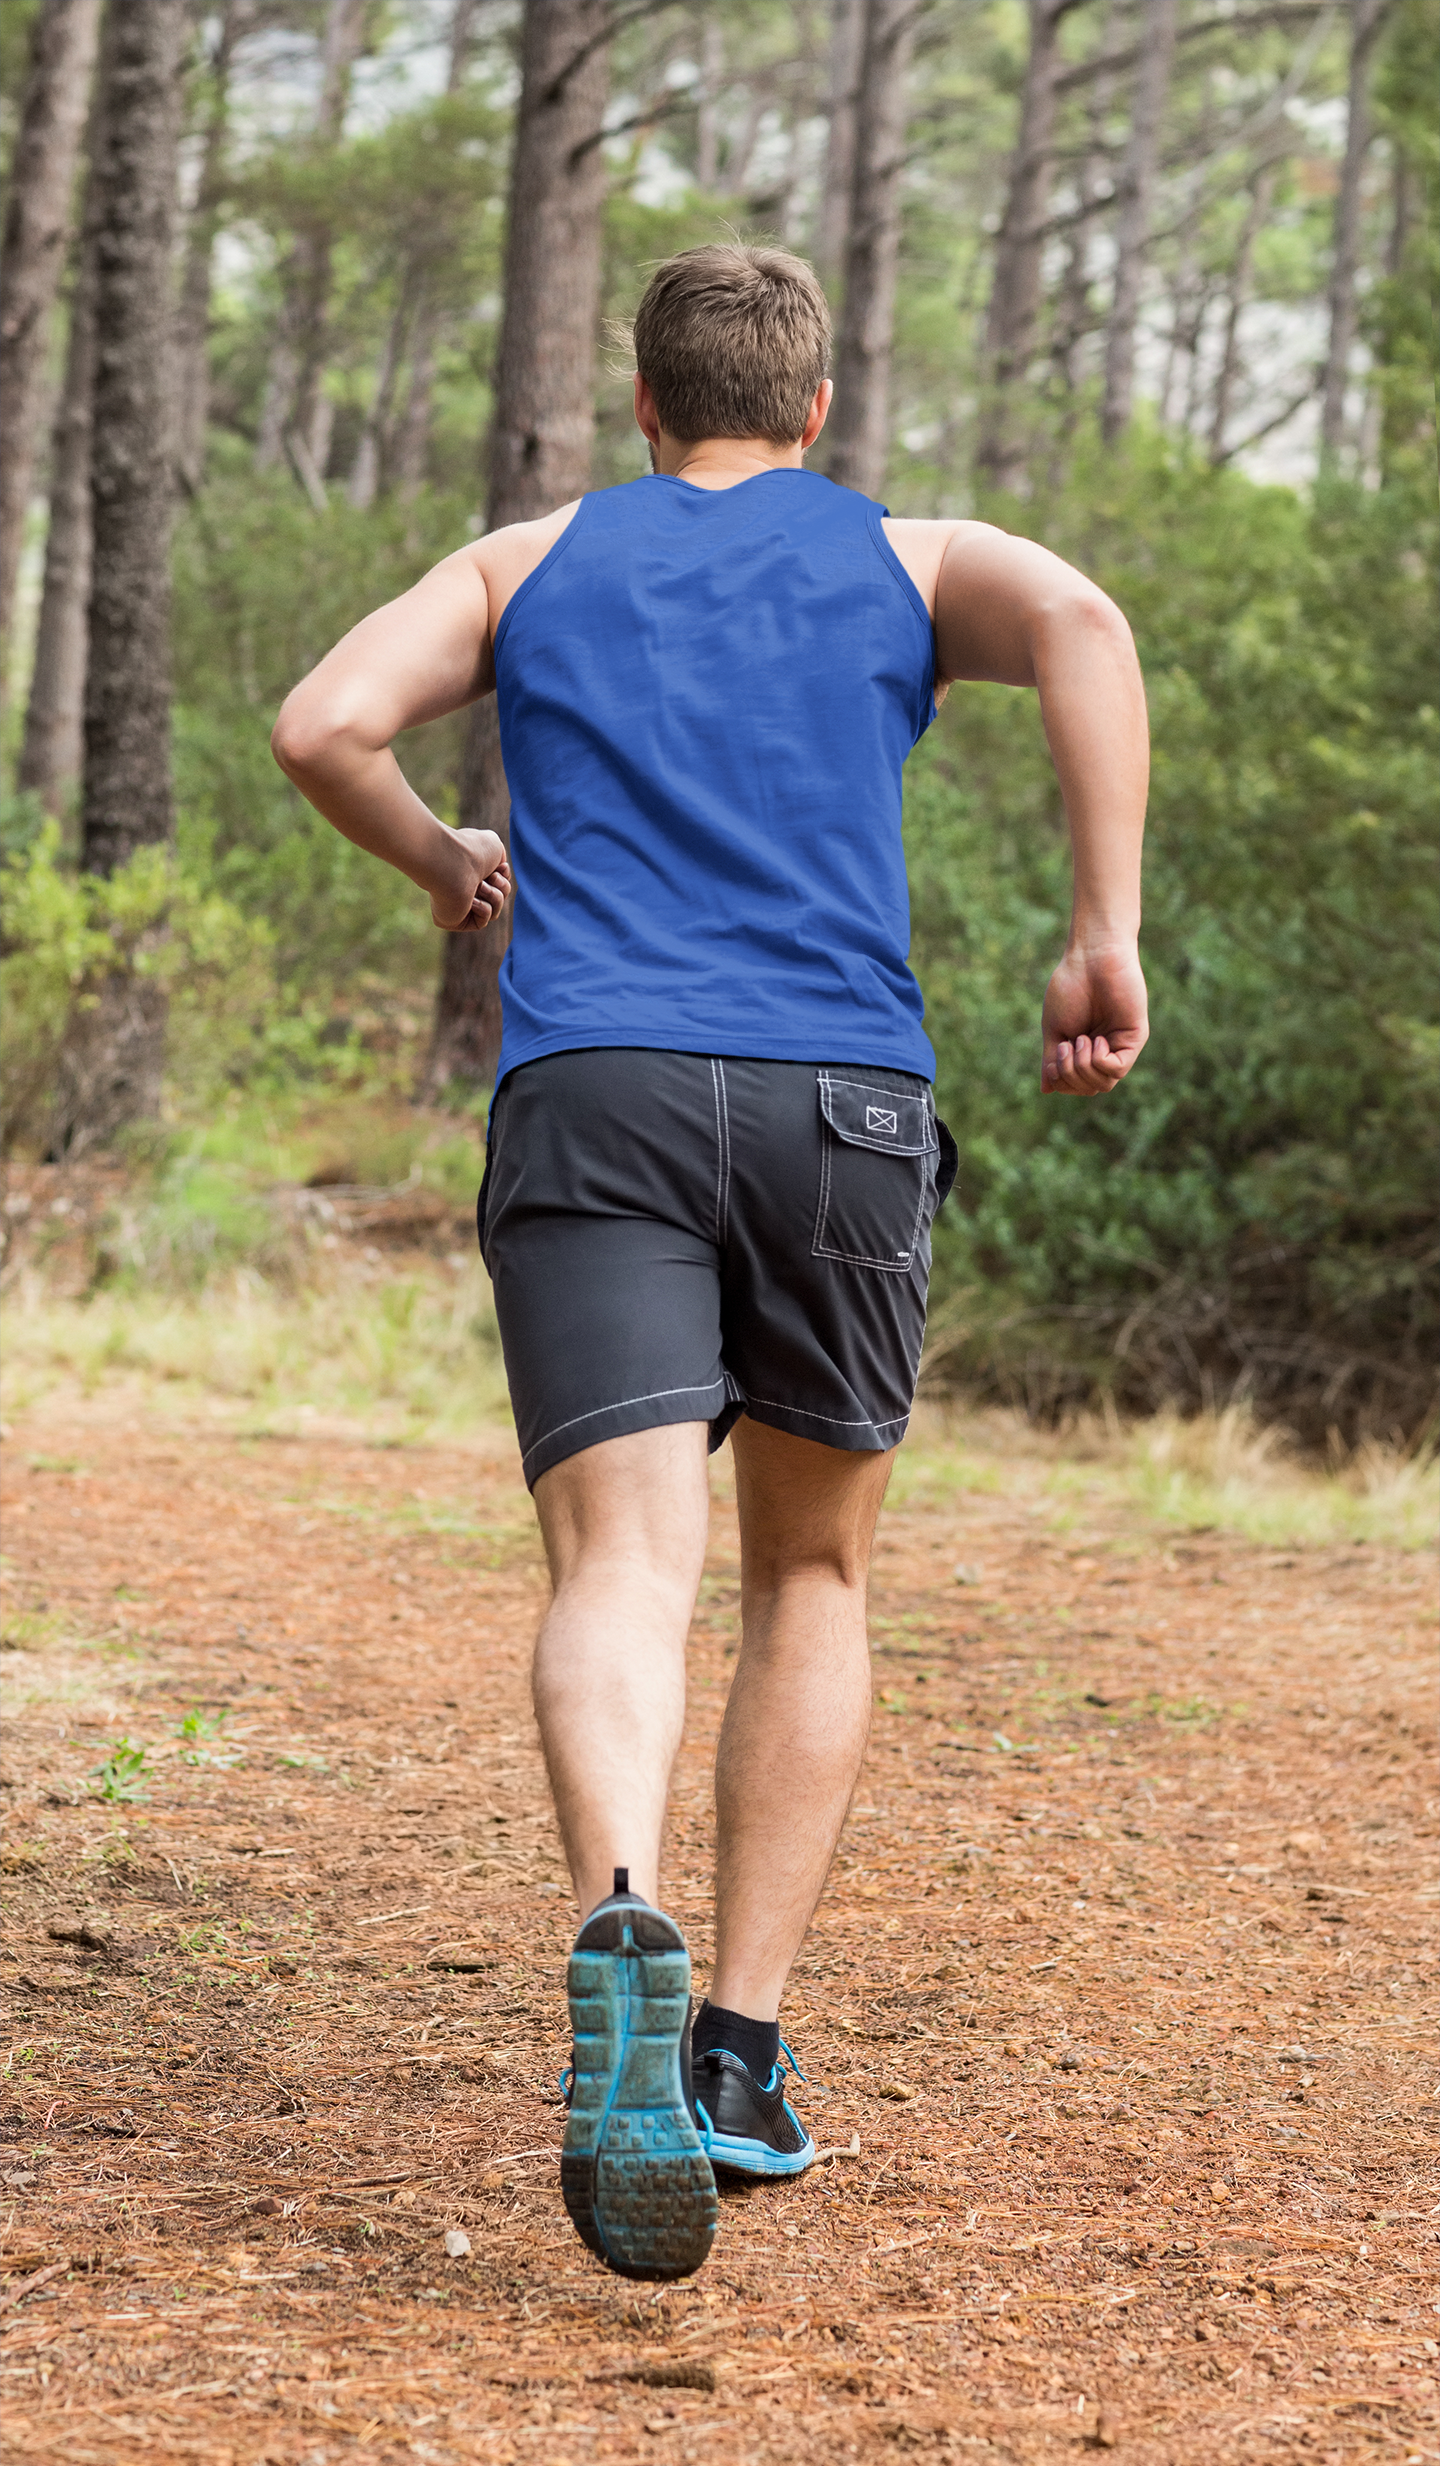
x,y
804,1506
834,1178
636,1508
598,1227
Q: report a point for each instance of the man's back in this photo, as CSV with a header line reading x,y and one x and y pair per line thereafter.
x,y
706,697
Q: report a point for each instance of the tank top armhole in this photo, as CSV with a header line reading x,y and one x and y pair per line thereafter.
x,y
550,559
875,524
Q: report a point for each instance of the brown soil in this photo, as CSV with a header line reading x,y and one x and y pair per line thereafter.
x,y
1110,2011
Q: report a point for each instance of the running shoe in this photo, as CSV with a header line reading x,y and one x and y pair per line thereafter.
x,y
750,2125
633,2170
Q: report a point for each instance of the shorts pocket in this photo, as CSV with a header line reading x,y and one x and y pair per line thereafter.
x,y
876,1177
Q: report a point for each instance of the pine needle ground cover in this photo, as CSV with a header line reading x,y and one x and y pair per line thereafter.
x,y
1111,2011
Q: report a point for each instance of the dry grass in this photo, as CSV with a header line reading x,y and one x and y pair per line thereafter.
x,y
394,1348
406,1349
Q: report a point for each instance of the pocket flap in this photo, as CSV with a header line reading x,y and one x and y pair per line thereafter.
x,y
878,1117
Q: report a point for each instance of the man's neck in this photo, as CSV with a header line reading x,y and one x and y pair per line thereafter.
x,y
721,462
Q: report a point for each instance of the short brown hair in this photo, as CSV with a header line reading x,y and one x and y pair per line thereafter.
x,y
733,342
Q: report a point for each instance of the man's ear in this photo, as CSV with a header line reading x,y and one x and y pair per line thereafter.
x,y
647,418
819,411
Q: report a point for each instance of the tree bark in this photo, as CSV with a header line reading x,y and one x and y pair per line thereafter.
x,y
860,423
365,470
1014,308
127,800
1073,315
543,422
297,358
192,342
1366,20
847,30
32,251
412,446
51,748
412,442
707,126
1261,191
1137,195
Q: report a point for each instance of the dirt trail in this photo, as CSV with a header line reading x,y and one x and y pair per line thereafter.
x,y
1110,2012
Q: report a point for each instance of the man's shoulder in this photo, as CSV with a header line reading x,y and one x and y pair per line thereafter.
x,y
509,556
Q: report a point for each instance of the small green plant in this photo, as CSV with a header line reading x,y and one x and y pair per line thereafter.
x,y
196,1730
29,1632
208,1938
124,1776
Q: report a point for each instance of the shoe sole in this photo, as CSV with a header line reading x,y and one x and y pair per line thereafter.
x,y
633,2171
741,2157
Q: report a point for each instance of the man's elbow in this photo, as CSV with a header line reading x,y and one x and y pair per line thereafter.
x,y
1097,617
297,736
306,735
1078,620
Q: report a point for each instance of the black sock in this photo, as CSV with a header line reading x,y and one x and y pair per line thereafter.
x,y
757,2043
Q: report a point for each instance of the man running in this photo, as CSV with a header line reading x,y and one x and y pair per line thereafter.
x,y
713,1157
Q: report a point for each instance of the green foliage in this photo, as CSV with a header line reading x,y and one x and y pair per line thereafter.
x,y
263,587
1401,316
124,1777
69,934
1253,1206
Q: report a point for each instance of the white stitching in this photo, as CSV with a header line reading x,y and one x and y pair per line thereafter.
x,y
857,1258
657,1395
839,1421
880,1147
722,1139
823,1208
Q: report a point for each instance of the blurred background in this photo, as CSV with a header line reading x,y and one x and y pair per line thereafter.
x,y
298,295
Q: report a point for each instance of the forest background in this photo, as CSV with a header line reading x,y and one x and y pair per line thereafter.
x,y
300,294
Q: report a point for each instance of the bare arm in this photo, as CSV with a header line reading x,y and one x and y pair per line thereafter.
x,y
427,653
1008,612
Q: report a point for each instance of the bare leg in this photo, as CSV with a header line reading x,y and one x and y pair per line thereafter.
x,y
624,1526
799,1710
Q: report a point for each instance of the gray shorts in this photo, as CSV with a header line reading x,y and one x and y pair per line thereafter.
x,y
680,1237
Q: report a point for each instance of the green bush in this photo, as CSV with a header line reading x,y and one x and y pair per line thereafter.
x,y
1251,1213
70,938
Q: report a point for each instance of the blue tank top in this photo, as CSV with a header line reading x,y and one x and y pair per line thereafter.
x,y
706,698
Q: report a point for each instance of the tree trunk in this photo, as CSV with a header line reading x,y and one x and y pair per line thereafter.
x,y
375,428
297,358
860,425
707,126
192,342
412,445
413,439
127,800
1015,286
1137,195
51,749
543,420
32,252
1366,19
1073,317
847,29
1262,189
111,1063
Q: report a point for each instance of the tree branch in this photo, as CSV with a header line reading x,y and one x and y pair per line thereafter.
x,y
1285,13
1243,444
